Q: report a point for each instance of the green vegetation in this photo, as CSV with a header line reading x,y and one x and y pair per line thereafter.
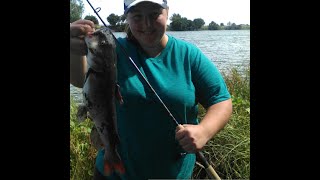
x,y
92,18
178,23
76,10
229,150
117,23
82,154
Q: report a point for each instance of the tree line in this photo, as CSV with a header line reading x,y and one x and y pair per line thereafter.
x,y
178,23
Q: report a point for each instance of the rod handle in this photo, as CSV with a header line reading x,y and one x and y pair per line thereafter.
x,y
209,169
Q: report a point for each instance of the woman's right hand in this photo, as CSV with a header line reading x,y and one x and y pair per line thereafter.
x,y
78,30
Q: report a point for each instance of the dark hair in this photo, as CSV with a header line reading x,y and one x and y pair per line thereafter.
x,y
130,36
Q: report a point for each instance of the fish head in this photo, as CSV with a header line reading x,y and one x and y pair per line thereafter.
x,y
100,41
101,45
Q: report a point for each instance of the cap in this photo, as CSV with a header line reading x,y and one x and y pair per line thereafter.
x,y
129,3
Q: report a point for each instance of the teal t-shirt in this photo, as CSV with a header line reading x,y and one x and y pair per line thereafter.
x,y
182,76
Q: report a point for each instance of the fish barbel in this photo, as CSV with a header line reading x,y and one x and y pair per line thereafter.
x,y
100,92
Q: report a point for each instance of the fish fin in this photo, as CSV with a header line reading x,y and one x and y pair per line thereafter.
x,y
118,94
82,113
119,167
118,164
89,116
107,168
95,140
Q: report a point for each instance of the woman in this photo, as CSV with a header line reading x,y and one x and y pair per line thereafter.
x,y
151,145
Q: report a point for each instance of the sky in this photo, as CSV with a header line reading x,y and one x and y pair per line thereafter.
x,y
219,11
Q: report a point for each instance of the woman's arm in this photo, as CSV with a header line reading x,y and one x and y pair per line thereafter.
x,y
192,138
78,65
216,118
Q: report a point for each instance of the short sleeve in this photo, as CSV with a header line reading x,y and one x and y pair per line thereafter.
x,y
208,81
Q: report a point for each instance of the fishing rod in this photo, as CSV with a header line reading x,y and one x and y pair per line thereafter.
x,y
209,169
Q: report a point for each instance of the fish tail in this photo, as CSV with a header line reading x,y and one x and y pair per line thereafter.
x,y
113,163
110,168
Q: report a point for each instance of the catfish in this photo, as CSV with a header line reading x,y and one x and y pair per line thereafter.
x,y
101,93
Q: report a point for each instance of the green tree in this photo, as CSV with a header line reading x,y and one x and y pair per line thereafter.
x,y
76,10
179,23
92,18
113,19
123,19
232,26
213,26
190,26
198,23
244,26
175,17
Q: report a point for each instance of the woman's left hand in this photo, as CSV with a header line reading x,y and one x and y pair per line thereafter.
x,y
192,138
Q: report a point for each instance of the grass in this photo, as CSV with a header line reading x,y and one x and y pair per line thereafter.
x,y
228,151
82,154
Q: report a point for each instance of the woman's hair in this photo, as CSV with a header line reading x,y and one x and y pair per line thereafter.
x,y
127,30
130,36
